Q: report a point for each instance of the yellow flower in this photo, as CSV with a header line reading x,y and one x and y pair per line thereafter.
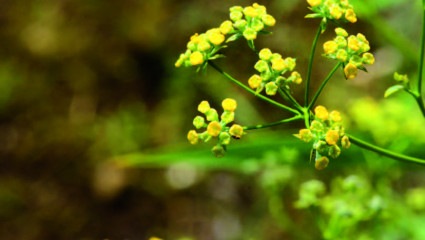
x,y
321,163
214,128
195,38
314,2
321,112
196,58
350,16
368,58
350,71
278,64
345,142
192,136
332,137
250,11
226,27
236,131
353,43
336,11
330,47
265,54
268,20
341,32
255,81
204,107
335,116
216,38
229,104
203,45
297,77
305,135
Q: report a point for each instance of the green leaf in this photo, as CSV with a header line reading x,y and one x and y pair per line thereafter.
x,y
393,90
251,44
217,56
313,15
362,68
234,37
265,32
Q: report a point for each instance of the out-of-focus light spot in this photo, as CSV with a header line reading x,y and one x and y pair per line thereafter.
x,y
181,175
226,226
108,179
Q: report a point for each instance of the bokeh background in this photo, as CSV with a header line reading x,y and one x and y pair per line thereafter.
x,y
94,117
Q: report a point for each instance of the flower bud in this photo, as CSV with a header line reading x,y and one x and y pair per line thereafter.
x,y
224,138
212,115
214,128
204,107
226,27
205,136
342,55
229,104
271,88
335,116
257,24
305,135
236,131
236,16
195,38
236,9
250,34
350,16
316,126
314,3
290,63
336,11
196,58
334,151
321,112
330,47
341,41
179,61
216,38
265,54
261,66
240,24
250,11
227,117
345,142
218,151
296,78
268,20
193,137
279,64
368,58
332,137
203,46
401,78
320,146
350,71
321,163
198,122
341,32
353,43
255,81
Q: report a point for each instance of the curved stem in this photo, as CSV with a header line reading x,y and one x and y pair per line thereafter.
x,y
310,65
274,123
384,152
288,97
250,90
323,85
421,58
421,104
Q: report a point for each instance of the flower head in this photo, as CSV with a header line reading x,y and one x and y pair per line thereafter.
x,y
332,9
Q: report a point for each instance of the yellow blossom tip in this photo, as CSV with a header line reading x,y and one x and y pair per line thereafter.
x,y
321,112
314,3
214,128
196,58
204,107
321,163
335,116
350,71
330,47
229,104
236,131
332,137
193,137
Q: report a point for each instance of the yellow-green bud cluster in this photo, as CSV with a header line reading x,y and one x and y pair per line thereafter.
x,y
401,78
350,50
249,21
204,47
332,9
215,126
272,67
327,134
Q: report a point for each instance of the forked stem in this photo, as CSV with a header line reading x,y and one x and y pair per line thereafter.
x,y
310,65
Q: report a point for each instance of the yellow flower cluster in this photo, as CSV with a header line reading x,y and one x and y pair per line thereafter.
x,y
216,126
332,9
249,21
204,47
272,67
246,22
351,50
328,135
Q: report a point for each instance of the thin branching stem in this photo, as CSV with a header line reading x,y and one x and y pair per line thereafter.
x,y
310,65
323,85
297,117
385,152
212,64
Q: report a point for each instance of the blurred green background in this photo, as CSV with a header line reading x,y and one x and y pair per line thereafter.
x,y
94,117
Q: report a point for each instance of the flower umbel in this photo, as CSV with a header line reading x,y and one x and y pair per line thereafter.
x,y
332,9
217,126
327,134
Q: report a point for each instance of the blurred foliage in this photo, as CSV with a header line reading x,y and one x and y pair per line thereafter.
x,y
93,120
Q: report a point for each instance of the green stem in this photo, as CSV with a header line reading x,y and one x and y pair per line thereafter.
x,y
385,152
310,64
274,123
323,85
421,104
421,59
288,97
212,64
